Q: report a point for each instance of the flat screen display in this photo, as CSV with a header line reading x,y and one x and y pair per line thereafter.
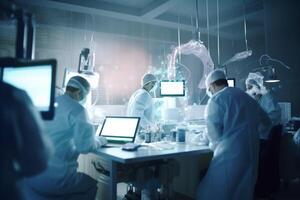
x,y
172,88
119,129
37,79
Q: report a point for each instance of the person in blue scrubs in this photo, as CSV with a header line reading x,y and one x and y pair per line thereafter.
x,y
268,180
71,134
232,119
256,89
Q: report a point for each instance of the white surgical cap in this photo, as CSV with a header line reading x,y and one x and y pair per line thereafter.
x,y
256,79
80,83
147,78
214,76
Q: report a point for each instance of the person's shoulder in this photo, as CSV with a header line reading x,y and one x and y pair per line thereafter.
x,y
143,94
12,93
68,103
231,94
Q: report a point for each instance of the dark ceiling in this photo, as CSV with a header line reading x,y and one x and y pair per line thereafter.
x,y
169,13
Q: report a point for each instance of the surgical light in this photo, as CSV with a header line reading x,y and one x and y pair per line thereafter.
x,y
272,77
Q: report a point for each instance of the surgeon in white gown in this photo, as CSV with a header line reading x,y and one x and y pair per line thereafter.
x,y
71,134
232,119
140,103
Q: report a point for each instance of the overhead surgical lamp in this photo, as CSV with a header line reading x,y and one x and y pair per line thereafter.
x,y
271,76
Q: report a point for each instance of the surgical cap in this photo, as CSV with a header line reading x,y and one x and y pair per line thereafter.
x,y
80,83
256,79
147,78
214,76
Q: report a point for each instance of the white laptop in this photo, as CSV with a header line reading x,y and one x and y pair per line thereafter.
x,y
119,129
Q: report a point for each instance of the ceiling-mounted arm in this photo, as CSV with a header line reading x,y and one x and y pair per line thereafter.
x,y
196,48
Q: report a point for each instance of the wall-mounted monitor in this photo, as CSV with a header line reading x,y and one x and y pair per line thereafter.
x,y
37,78
231,82
172,88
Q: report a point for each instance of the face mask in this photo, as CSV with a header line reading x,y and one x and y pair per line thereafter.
x,y
209,93
153,88
83,101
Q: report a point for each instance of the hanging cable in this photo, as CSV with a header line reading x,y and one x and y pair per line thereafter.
x,y
207,25
178,38
192,24
218,32
245,27
197,22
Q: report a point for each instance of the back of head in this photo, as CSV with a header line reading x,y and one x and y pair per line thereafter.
x,y
217,77
78,88
147,78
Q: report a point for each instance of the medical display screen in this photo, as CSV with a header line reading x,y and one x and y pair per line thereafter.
x,y
172,88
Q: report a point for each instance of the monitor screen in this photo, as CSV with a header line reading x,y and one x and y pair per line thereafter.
x,y
121,129
172,88
231,82
37,78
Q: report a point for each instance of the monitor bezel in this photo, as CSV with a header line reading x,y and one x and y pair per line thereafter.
x,y
99,133
16,63
172,95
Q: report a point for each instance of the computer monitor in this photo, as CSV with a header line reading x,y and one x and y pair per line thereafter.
x,y
119,129
172,88
231,82
37,78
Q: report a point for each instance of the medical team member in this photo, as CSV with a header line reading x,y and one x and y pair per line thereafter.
x,y
25,150
232,118
268,180
71,134
140,103
256,89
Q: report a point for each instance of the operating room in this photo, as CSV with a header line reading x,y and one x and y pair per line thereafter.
x,y
149,99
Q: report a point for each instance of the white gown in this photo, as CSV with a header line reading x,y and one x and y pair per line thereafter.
x,y
140,105
232,120
71,134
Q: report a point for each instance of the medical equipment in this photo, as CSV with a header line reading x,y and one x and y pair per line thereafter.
x,y
180,135
86,61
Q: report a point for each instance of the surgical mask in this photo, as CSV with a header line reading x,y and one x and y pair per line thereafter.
x,y
209,93
153,88
83,101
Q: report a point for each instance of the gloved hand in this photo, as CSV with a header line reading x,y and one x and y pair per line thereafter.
x,y
154,128
100,141
201,138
